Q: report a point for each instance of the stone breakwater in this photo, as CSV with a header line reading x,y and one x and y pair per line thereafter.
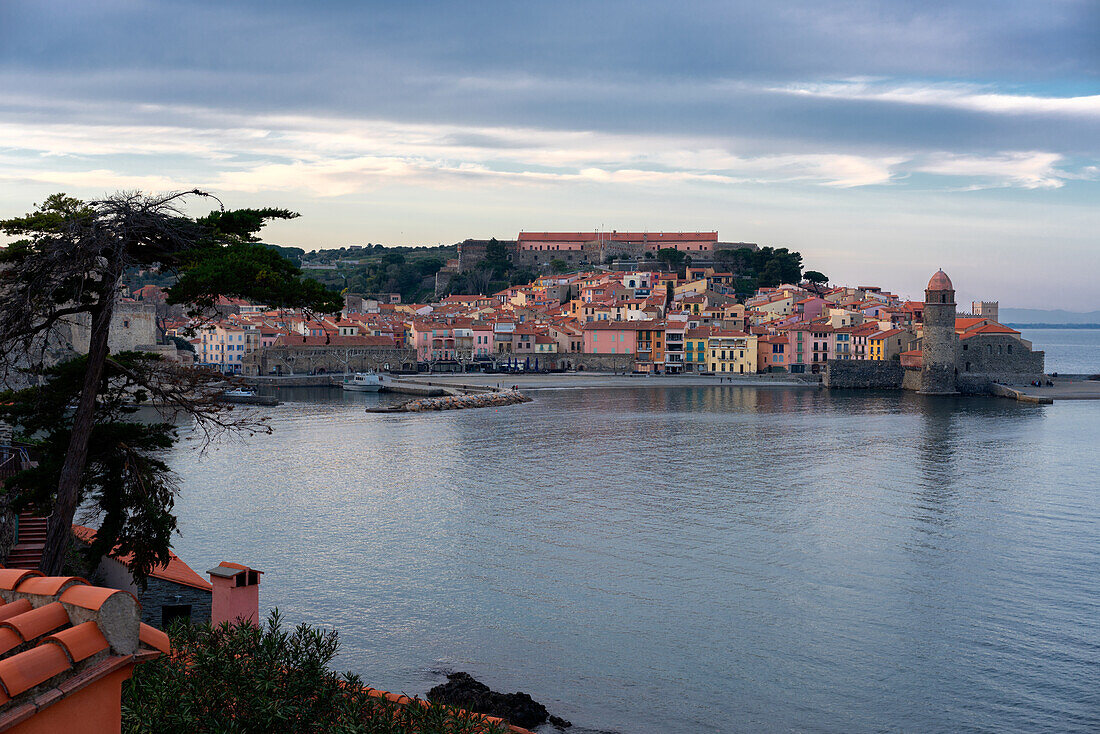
x,y
457,402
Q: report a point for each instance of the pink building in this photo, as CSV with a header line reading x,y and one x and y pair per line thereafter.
x,y
772,352
612,337
431,341
810,308
483,339
811,346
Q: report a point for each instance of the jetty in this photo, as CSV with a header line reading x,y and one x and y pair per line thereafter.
x,y
488,399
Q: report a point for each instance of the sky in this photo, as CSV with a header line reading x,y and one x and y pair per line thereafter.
x,y
882,140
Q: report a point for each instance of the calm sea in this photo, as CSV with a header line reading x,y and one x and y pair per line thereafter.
x,y
1068,351
686,560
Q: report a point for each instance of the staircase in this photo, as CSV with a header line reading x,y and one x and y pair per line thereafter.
x,y
27,552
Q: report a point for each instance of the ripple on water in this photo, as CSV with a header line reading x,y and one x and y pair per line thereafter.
x,y
687,559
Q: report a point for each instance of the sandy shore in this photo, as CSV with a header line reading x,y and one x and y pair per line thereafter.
x,y
591,380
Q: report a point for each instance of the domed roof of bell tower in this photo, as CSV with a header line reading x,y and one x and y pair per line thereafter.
x,y
940,282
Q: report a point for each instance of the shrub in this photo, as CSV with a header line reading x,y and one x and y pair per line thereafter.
x,y
243,679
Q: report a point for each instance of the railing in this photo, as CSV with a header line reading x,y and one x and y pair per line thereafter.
x,y
13,459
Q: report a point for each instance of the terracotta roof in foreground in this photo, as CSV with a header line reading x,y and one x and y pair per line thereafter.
x,y
59,635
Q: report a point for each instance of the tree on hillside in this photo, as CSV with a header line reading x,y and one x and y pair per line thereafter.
x,y
68,261
670,255
479,280
763,267
815,277
496,259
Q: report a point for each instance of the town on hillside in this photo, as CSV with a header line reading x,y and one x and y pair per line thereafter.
x,y
651,303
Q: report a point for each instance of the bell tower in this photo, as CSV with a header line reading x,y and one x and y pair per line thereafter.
x,y
939,343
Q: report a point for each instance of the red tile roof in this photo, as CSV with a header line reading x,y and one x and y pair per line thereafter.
x,y
334,340
618,236
175,570
60,634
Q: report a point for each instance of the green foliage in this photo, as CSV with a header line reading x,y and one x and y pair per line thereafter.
x,y
815,277
496,259
294,254
68,259
409,271
558,265
182,343
125,482
241,225
672,256
243,679
251,271
766,267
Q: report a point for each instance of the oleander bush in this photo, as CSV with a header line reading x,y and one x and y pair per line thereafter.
x,y
243,679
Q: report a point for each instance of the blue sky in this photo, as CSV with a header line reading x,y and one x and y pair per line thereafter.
x,y
881,139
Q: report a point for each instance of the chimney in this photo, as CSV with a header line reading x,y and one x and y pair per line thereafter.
x,y
236,596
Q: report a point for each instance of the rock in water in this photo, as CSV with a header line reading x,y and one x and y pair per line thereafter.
x,y
463,691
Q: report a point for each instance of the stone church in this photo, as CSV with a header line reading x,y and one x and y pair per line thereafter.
x,y
965,354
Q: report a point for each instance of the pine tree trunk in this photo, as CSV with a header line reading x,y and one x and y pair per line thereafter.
x,y
59,528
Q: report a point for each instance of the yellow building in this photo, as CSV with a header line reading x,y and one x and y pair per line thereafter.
x,y
695,349
731,352
887,344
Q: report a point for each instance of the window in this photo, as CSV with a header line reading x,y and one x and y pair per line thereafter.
x,y
171,612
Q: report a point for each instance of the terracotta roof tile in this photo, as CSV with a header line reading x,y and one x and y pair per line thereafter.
x,y
12,577
72,634
37,622
48,585
175,570
154,638
89,597
19,606
81,641
9,640
28,669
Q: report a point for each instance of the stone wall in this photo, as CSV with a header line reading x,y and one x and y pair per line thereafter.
x,y
158,593
161,593
133,327
590,362
535,258
939,343
974,384
1001,356
863,374
304,360
911,379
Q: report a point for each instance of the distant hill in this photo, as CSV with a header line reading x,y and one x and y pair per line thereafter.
x,y
1043,316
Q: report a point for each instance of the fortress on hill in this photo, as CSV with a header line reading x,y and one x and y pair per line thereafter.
x,y
952,354
531,249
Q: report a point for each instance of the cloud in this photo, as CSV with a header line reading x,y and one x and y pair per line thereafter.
x,y
1033,170
957,96
335,156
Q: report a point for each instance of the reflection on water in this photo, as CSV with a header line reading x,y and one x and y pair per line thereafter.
x,y
686,559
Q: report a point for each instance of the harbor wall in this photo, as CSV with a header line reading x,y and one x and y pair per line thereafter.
x,y
306,359
863,374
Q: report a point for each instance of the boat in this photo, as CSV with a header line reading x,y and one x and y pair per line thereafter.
x,y
362,382
243,395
